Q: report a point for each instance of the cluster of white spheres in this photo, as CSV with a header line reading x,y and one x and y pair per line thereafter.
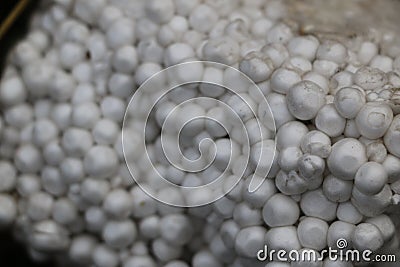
x,y
64,184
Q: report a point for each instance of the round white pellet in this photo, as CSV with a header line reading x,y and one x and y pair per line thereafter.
x,y
149,227
81,248
366,52
283,238
205,258
121,85
103,256
290,134
337,190
346,157
224,50
70,54
340,230
125,59
377,152
310,166
283,79
315,204
52,181
142,204
95,218
12,91
256,67
8,177
312,233
28,159
245,215
348,213
100,162
374,205
391,164
332,51
370,78
250,240
203,18
18,116
374,119
64,211
291,183
367,236
39,206
392,137
280,210
349,101
304,100
165,251
119,234
76,142
48,236
316,143
27,185
384,224
139,261
288,158
120,33
329,121
118,203
383,63
8,210
304,46
370,178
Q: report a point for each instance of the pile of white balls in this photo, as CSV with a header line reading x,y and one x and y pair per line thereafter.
x,y
68,194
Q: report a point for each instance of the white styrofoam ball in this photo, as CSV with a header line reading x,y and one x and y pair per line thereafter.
x,y
304,46
329,121
349,101
337,190
312,233
290,134
118,203
374,205
338,231
283,79
283,238
8,210
119,234
367,236
280,210
370,78
370,178
316,143
385,225
250,240
346,157
392,137
332,51
374,119
120,33
76,141
347,212
315,204
28,159
304,100
100,162
12,91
